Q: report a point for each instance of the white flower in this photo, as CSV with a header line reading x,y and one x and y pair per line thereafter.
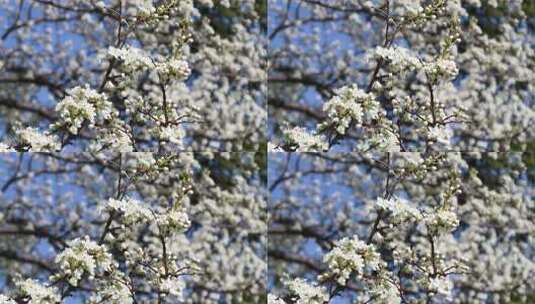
x,y
385,141
176,219
38,293
143,160
399,58
99,101
173,286
400,209
6,300
306,293
75,112
133,59
83,256
272,299
351,255
174,69
113,292
350,104
38,141
113,138
144,7
173,134
442,220
441,285
385,293
132,210
440,134
304,140
442,68
82,104
6,148
408,7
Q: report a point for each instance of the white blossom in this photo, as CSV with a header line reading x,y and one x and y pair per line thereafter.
x,y
6,300
441,285
440,134
6,148
306,293
304,140
442,68
351,255
173,286
83,256
400,209
173,134
38,293
144,7
176,219
385,293
174,68
350,104
38,141
398,58
442,220
82,104
408,7
113,292
131,209
132,58
75,112
272,299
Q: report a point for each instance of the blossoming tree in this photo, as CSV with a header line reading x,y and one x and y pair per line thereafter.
x,y
137,75
401,228
132,228
404,75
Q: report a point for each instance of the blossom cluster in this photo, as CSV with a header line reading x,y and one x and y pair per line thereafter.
x,y
442,69
133,211
135,60
38,141
441,285
398,58
82,104
440,134
174,68
36,292
6,300
302,140
442,220
172,134
351,256
83,256
400,209
32,291
114,291
174,287
385,292
305,293
350,105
